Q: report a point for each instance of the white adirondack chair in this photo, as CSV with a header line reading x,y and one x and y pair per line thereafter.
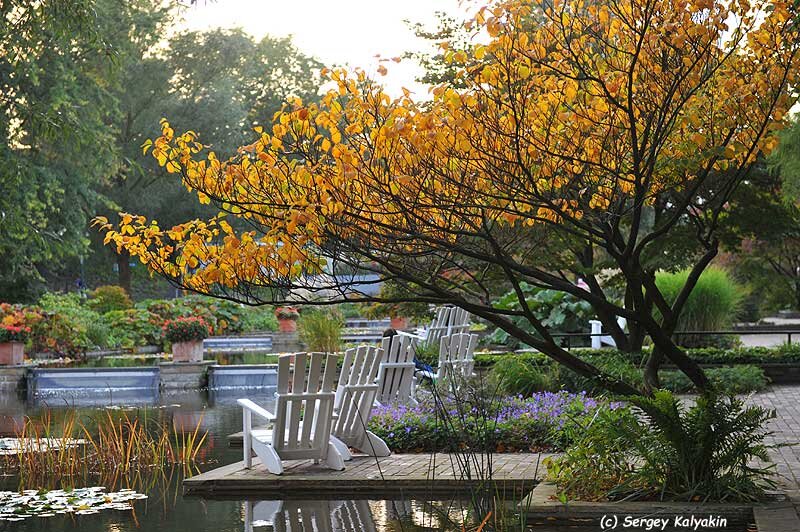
x,y
447,321
355,396
303,418
607,339
456,356
396,381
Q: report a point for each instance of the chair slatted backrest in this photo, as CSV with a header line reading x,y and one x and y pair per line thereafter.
x,y
456,355
448,321
396,375
304,405
356,391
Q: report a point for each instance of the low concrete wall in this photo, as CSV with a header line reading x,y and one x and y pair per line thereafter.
x,y
182,376
12,378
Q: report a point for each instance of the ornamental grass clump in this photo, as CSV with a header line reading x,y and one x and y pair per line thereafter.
x,y
72,451
191,329
14,333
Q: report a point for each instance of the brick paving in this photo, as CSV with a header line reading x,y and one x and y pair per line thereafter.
x,y
785,400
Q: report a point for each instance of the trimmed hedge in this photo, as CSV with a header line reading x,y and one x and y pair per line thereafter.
x,y
527,373
783,354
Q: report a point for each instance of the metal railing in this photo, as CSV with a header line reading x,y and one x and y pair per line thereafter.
x,y
566,338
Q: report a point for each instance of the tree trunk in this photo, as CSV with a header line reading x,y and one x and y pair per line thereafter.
x,y
124,270
689,367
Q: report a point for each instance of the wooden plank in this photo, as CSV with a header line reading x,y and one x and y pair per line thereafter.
x,y
399,472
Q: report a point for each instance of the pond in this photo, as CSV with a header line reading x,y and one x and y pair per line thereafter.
x,y
167,509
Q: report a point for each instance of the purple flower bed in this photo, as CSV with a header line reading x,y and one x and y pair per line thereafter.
x,y
543,422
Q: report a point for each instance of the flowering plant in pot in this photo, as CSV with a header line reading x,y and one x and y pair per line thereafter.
x,y
287,318
12,343
186,336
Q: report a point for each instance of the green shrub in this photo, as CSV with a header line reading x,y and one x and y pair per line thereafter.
x,y
134,327
704,453
521,375
727,380
321,330
107,298
526,373
559,312
712,306
258,319
66,329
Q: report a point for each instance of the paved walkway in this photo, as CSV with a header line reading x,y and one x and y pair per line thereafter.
x,y
785,400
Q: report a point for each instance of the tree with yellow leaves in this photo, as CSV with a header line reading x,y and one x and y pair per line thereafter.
x,y
580,136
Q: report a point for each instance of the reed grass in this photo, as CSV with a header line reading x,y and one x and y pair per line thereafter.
x,y
110,447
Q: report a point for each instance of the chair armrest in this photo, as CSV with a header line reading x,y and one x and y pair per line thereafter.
x,y
417,336
247,404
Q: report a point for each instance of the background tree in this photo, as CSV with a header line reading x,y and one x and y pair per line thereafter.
x,y
603,130
59,71
220,82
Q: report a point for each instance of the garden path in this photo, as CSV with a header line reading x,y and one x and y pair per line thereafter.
x,y
785,399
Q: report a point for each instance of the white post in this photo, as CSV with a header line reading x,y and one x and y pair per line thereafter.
x,y
597,330
246,428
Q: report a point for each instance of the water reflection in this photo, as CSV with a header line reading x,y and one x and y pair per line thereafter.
x,y
350,515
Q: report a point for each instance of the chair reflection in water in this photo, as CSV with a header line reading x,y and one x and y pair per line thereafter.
x,y
308,516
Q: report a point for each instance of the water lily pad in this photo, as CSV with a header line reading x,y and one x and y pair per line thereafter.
x,y
15,506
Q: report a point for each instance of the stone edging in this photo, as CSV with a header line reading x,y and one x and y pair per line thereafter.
x,y
542,504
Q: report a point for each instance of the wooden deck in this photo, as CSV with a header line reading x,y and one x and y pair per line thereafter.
x,y
429,474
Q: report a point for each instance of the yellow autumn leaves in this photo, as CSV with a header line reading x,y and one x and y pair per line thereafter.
x,y
563,114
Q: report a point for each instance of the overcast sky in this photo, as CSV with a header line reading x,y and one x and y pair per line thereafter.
x,y
338,32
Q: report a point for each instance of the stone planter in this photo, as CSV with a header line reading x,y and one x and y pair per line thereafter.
x,y
11,353
187,351
399,323
287,325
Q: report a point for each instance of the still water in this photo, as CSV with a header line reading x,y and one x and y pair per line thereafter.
x,y
166,509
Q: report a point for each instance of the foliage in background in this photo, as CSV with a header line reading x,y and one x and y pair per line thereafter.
x,y
393,290
107,298
558,311
67,325
712,306
59,69
321,330
708,452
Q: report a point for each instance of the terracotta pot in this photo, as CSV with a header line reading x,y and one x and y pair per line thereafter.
x,y
399,323
11,353
287,326
187,351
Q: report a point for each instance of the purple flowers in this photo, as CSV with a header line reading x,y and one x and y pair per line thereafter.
x,y
543,421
